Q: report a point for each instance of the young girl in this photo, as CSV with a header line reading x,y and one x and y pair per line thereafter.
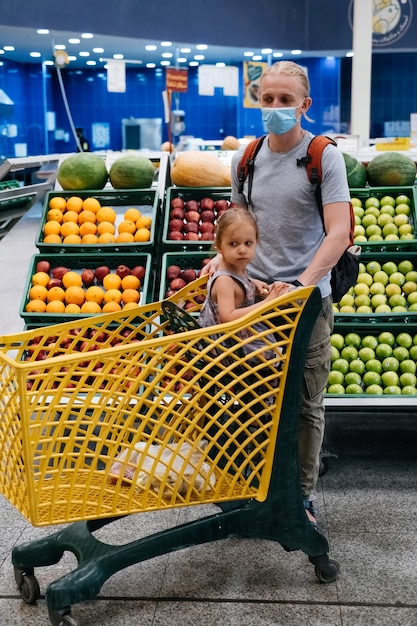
x,y
230,292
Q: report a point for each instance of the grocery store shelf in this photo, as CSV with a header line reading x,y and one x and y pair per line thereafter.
x,y
381,403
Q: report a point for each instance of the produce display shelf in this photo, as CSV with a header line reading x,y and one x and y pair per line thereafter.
x,y
365,193
147,201
77,263
188,260
186,194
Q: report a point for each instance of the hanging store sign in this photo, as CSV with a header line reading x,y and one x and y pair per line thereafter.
x,y
252,72
176,80
390,20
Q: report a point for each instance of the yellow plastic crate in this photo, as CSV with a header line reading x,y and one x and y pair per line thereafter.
x,y
78,397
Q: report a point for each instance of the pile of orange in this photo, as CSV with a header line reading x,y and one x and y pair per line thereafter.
x,y
73,297
77,221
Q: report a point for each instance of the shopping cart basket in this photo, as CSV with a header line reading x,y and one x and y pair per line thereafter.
x,y
128,412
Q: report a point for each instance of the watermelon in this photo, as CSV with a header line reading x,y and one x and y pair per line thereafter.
x,y
355,171
391,169
83,170
132,171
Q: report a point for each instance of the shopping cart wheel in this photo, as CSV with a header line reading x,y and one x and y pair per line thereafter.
x,y
325,569
27,584
62,618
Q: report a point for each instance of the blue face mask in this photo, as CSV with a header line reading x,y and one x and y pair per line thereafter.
x,y
281,120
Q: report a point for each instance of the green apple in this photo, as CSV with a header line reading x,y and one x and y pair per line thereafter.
x,y
369,220
336,390
383,308
366,354
400,353
374,233
390,364
353,378
346,309
386,337
400,220
371,202
389,267
354,389
358,231
372,267
369,341
399,309
377,289
408,366
390,229
392,390
371,378
405,266
392,237
387,210
361,289
364,308
362,300
335,353
365,278
335,378
381,276
397,300
373,365
404,339
383,350
359,211
411,276
406,229
409,287
387,200
341,365
409,390
413,352
397,278
356,202
402,199
389,379
347,300
357,220
359,238
392,289
353,339
407,378
402,209
384,219
357,366
337,340
349,353
378,299
375,390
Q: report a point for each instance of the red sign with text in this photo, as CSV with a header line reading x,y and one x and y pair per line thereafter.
x,y
176,80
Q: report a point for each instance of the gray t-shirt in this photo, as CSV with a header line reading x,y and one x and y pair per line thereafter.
x,y
283,202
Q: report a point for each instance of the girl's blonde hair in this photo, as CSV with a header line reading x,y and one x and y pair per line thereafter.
x,y
289,68
231,217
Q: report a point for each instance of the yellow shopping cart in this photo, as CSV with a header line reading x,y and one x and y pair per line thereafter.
x,y
142,410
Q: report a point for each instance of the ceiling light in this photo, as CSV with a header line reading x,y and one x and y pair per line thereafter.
x,y
150,47
257,57
165,62
87,35
193,63
118,56
150,65
84,54
50,62
350,54
8,48
201,46
185,50
72,58
167,55
181,60
74,40
296,51
98,50
248,54
220,64
166,43
199,57
35,54
277,55
90,63
42,31
1,51
60,47
266,50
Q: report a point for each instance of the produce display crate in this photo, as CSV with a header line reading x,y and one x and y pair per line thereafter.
x,y
146,200
403,317
379,192
374,332
184,260
7,203
190,193
73,416
79,262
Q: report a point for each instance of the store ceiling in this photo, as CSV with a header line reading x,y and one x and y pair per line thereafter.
x,y
82,55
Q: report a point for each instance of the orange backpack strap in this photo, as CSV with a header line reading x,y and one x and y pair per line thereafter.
x,y
247,162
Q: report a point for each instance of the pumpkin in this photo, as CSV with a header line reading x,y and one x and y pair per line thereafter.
x,y
230,143
391,169
199,169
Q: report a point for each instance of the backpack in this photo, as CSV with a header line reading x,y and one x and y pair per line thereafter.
x,y
345,272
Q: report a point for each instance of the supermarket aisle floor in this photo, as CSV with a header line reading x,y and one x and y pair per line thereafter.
x,y
366,503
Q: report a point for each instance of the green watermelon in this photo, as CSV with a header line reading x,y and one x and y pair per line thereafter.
x,y
355,171
132,171
391,169
83,170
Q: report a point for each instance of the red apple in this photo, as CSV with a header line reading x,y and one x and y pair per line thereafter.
x,y
177,284
192,216
101,271
173,271
54,282
207,227
191,236
139,271
88,277
123,270
58,272
188,275
191,205
191,227
177,202
220,213
207,236
207,203
221,205
207,216
175,235
43,266
175,225
177,213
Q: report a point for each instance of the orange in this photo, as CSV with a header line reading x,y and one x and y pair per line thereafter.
x,y
106,214
54,215
57,203
74,203
89,239
127,226
69,228
71,279
130,305
88,228
52,239
90,307
40,278
112,281
130,295
142,234
125,238
94,294
72,308
130,282
132,214
36,306
113,295
111,307
106,227
52,228
55,306
72,239
70,216
91,204
106,238
75,295
86,216
38,292
144,222
56,293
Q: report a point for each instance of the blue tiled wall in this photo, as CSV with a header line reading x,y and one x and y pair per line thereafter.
x,y
394,97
